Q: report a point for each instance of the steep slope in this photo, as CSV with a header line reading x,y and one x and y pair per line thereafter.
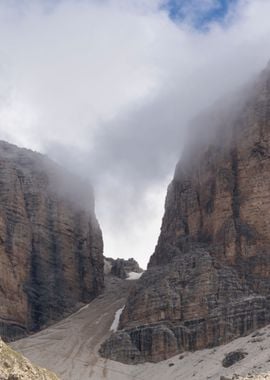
x,y
208,281
50,242
13,366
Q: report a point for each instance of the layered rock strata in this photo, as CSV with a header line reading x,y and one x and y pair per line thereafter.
x,y
51,247
208,280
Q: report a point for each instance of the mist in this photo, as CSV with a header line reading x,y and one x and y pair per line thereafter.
x,y
108,89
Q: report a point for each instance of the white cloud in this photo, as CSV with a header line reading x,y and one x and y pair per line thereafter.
x,y
108,87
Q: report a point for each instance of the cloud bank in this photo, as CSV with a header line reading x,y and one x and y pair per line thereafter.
x,y
108,88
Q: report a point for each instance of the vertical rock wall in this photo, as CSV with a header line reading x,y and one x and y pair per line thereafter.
x,y
50,242
208,280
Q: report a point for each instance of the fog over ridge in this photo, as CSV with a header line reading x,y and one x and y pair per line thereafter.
x,y
108,89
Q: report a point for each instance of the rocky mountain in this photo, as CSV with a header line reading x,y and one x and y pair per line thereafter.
x,y
208,281
121,267
50,242
14,366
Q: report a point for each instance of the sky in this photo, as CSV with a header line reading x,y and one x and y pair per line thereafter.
x,y
108,88
199,13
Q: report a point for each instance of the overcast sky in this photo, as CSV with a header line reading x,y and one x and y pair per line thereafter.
x,y
107,88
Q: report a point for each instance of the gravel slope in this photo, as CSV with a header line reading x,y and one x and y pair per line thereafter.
x,y
70,349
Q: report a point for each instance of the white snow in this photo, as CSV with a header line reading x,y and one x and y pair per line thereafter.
x,y
134,276
115,323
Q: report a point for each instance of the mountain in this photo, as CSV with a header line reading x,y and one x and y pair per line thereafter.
x,y
121,268
50,242
208,281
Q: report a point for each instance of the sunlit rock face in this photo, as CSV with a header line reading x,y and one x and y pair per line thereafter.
x,y
208,280
50,242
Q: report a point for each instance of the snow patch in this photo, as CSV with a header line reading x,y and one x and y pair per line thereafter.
x,y
134,276
115,323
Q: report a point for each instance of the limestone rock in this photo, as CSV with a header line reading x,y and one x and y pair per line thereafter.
x,y
208,280
14,366
121,267
51,247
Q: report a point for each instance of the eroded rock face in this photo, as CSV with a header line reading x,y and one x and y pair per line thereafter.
x,y
208,281
14,366
50,242
121,267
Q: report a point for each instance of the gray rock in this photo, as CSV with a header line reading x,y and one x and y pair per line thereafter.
x,y
208,281
233,357
121,267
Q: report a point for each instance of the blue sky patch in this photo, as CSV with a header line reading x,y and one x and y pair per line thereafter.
x,y
199,12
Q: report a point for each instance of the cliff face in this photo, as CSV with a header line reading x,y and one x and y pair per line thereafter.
x,y
208,280
50,243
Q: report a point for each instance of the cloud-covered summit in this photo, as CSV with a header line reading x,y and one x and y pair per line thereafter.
x,y
108,87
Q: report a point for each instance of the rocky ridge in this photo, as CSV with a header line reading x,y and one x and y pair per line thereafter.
x,y
50,242
14,366
121,267
208,280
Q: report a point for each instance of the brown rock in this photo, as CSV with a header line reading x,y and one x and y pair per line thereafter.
x,y
50,242
208,280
